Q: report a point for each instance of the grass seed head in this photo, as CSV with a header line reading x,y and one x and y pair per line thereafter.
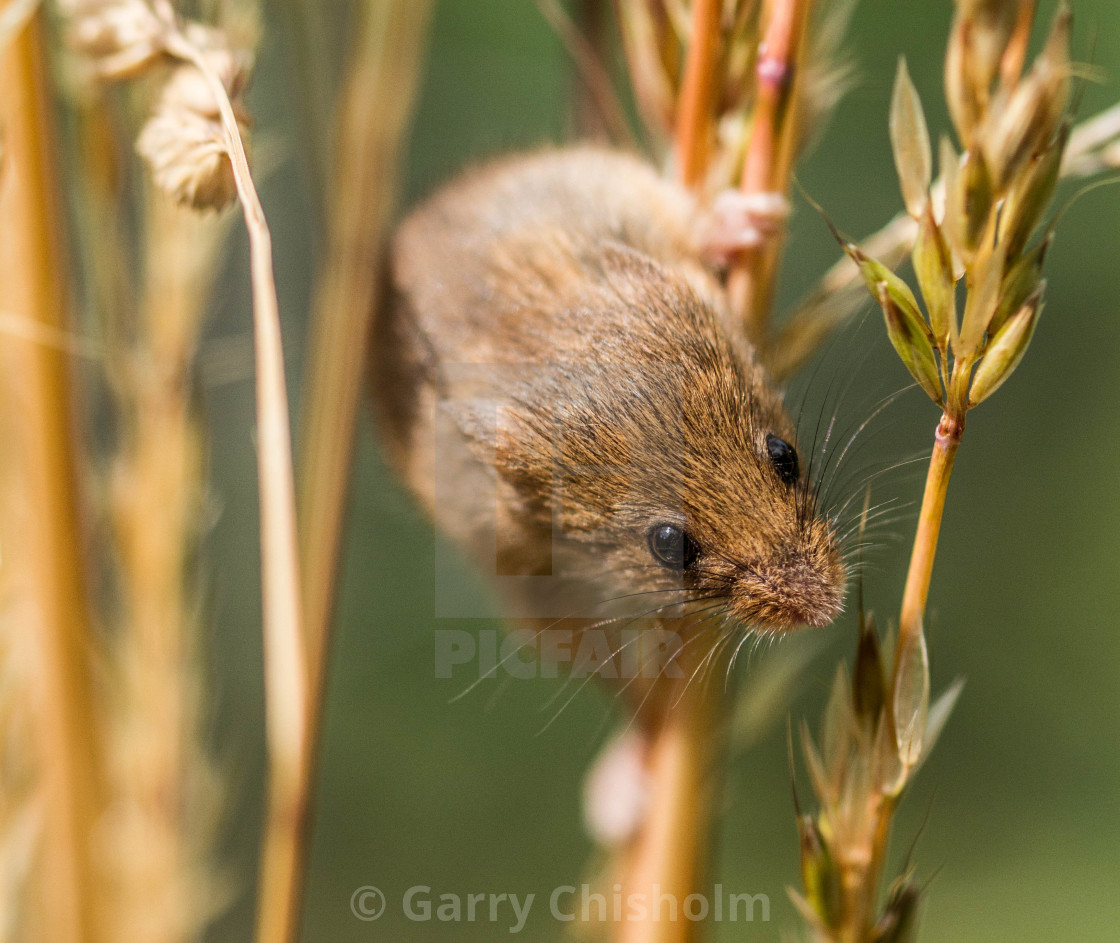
x,y
117,38
1014,129
183,141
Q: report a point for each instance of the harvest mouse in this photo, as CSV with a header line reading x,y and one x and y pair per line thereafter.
x,y
561,383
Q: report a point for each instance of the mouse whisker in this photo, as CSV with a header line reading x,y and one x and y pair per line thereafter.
x,y
638,711
844,453
535,637
591,674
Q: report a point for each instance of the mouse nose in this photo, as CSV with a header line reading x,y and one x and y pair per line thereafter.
x,y
805,591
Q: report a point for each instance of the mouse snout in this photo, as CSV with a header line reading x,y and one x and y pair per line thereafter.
x,y
803,588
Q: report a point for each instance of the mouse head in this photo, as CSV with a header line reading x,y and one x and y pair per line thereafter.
x,y
670,464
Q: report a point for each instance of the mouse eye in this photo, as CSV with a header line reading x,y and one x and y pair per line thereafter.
x,y
783,457
673,546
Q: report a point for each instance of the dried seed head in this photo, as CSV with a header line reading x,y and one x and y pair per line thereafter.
x,y
188,157
1035,108
980,33
963,107
117,37
1015,130
233,64
184,142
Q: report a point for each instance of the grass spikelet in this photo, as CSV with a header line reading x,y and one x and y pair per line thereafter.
x,y
184,142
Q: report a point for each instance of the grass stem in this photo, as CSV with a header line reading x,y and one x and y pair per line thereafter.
x,y
670,854
694,112
946,442
43,537
376,104
769,162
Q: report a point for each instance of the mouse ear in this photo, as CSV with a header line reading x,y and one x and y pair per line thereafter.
x,y
494,437
465,423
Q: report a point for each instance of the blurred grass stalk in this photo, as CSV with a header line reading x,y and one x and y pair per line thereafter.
x,y
136,772
44,535
287,731
159,842
374,109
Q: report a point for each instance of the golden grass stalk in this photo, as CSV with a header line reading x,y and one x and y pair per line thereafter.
x,y
376,103
14,17
670,854
20,818
693,132
43,532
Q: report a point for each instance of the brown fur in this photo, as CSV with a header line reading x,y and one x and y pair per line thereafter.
x,y
557,373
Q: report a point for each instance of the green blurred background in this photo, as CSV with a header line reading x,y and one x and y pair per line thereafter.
x,y
1022,822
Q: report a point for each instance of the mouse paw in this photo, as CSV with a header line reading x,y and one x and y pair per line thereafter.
x,y
616,790
737,221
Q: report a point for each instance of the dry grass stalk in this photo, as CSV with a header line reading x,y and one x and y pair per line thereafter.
x,y
375,107
20,805
670,853
695,105
194,142
376,104
14,18
773,145
156,842
44,531
286,669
